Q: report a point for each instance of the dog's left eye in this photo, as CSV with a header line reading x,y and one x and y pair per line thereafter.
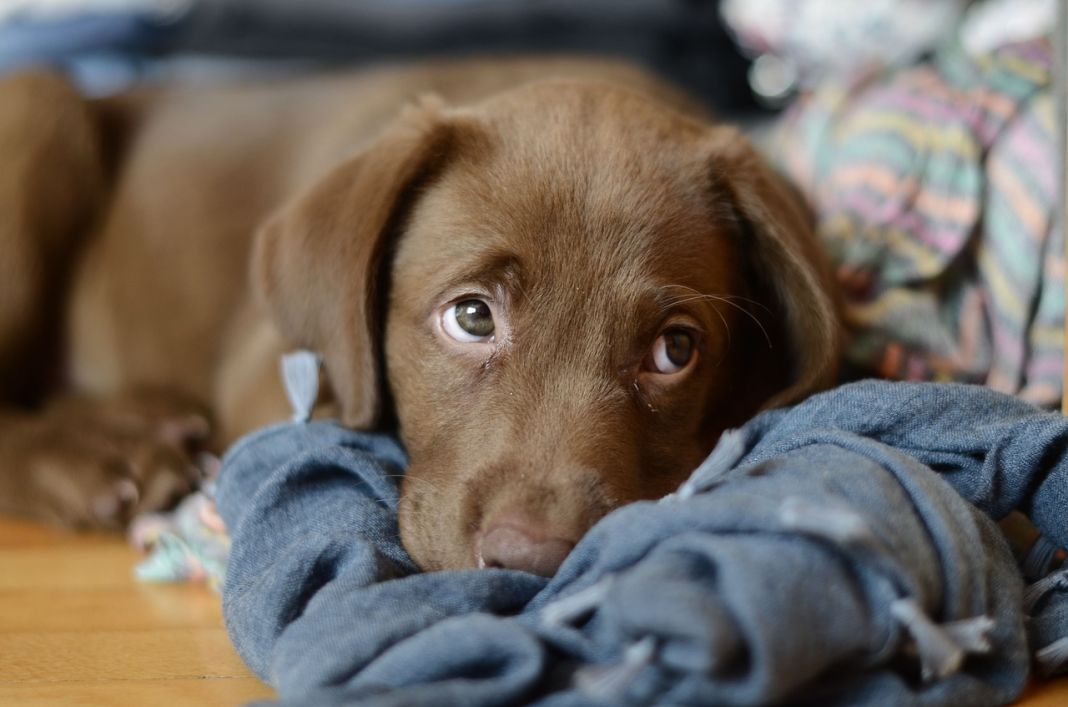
x,y
672,352
469,321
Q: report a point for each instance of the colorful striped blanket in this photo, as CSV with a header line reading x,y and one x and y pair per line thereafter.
x,y
934,190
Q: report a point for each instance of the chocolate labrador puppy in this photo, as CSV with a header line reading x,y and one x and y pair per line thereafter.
x,y
558,280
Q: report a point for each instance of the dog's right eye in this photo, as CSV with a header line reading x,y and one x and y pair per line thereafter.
x,y
469,321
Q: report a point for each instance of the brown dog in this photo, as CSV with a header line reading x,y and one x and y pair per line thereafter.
x,y
559,279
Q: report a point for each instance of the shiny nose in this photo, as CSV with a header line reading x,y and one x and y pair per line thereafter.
x,y
520,546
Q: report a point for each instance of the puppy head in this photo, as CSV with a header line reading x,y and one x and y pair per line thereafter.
x,y
585,289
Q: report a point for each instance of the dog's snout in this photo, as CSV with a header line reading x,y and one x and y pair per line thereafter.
x,y
523,546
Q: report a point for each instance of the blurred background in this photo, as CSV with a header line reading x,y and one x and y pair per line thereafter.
x,y
925,134
738,55
107,44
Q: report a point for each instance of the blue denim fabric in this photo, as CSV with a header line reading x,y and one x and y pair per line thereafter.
x,y
820,555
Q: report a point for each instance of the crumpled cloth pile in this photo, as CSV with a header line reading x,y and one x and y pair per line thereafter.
x,y
935,192
838,552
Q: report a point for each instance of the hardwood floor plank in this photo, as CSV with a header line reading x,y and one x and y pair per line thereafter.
x,y
134,607
94,656
68,566
76,628
23,533
172,693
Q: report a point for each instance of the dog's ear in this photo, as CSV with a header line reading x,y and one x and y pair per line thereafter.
x,y
778,240
319,262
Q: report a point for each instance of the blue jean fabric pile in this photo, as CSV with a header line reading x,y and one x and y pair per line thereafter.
x,y
838,552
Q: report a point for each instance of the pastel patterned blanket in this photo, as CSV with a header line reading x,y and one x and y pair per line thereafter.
x,y
935,191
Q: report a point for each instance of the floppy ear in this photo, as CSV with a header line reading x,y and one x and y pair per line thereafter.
x,y
778,240
318,263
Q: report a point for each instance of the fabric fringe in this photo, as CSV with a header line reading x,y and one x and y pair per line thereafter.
x,y
841,525
942,648
1053,659
1041,558
564,611
300,375
1058,581
609,683
729,449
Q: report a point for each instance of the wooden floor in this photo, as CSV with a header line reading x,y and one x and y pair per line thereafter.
x,y
77,629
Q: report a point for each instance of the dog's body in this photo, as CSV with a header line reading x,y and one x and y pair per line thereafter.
x,y
610,240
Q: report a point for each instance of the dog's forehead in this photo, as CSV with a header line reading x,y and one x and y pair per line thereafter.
x,y
581,144
573,221
587,171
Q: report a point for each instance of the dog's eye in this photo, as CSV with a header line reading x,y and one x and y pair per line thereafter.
x,y
672,351
469,321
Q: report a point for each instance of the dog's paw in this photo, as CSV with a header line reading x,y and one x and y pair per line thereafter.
x,y
97,465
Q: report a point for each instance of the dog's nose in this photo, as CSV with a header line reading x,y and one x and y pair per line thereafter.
x,y
520,546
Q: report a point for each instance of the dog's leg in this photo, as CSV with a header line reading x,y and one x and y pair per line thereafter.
x,y
84,462
67,460
51,182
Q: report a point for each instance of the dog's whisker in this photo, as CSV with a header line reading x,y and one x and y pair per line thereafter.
x,y
746,312
684,288
747,300
726,300
741,298
700,297
413,479
726,326
405,478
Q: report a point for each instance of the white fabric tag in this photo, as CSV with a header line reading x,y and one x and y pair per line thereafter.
x,y
300,375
